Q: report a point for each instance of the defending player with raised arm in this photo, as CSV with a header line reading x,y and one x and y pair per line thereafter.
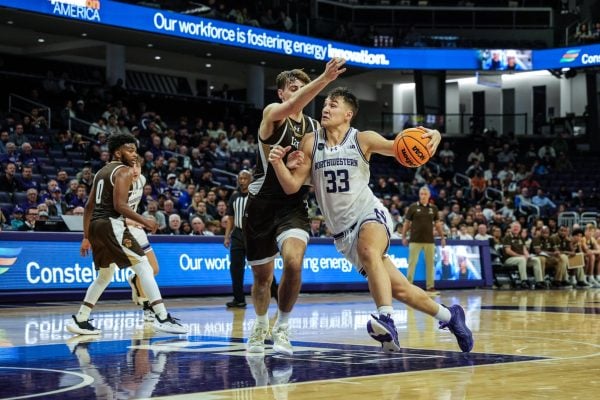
x,y
336,158
112,244
274,221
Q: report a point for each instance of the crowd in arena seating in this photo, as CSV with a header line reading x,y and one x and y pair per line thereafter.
x,y
190,163
587,32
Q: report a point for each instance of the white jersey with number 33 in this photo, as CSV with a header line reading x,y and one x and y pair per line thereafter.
x,y
340,175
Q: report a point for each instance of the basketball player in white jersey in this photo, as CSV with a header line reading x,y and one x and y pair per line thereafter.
x,y
137,231
336,158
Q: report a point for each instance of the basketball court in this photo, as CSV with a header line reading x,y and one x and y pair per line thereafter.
x,y
529,344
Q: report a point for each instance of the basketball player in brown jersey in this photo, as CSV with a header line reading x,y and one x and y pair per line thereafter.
x,y
276,223
112,244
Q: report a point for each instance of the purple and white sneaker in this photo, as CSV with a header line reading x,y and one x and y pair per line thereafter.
x,y
382,329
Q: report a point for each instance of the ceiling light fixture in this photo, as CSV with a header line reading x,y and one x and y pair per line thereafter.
x,y
41,40
208,65
157,58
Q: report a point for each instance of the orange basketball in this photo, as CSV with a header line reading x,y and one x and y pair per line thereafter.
x,y
410,150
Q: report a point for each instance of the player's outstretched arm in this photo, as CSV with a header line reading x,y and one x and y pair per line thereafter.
x,y
87,217
372,142
291,180
280,111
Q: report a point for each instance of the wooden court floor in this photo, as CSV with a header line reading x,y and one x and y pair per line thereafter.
x,y
529,345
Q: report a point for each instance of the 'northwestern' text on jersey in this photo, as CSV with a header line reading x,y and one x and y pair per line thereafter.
x,y
340,175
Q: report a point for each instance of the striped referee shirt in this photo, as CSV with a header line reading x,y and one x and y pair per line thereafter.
x,y
236,206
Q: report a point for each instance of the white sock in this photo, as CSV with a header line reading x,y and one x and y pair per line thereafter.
x,y
282,318
385,310
263,320
94,291
443,314
83,314
160,310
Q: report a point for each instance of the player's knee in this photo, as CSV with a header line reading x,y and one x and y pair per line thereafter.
x,y
293,263
368,255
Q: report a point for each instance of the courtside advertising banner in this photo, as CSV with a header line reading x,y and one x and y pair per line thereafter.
x,y
39,262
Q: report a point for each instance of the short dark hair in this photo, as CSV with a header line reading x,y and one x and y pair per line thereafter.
x,y
116,140
287,76
347,95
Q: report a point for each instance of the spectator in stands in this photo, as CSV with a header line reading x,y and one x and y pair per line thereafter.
x,y
8,181
315,226
71,191
211,204
285,22
446,152
26,180
186,228
158,187
18,137
86,178
31,199
174,227
221,209
200,211
56,205
38,121
547,207
4,139
506,155
97,128
478,186
583,34
185,199
168,208
26,157
237,143
153,212
516,253
16,219
252,145
596,32
199,228
476,154
11,155
31,217
80,198
463,233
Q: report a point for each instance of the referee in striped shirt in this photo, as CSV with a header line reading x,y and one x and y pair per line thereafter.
x,y
234,239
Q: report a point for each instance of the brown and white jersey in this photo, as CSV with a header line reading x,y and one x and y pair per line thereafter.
x,y
265,183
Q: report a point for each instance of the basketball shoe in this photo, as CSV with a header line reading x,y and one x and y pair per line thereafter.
x,y
149,315
83,327
169,325
281,340
382,329
458,327
256,342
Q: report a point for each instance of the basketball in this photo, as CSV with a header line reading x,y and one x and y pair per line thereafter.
x,y
410,149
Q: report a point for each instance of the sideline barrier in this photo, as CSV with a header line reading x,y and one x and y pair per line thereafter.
x,y
48,265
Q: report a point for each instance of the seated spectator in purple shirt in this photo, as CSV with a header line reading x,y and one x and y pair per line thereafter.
x,y
26,181
158,187
62,178
80,197
32,199
27,157
8,182
11,155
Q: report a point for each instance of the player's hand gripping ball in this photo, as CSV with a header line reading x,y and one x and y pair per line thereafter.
x,y
410,149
